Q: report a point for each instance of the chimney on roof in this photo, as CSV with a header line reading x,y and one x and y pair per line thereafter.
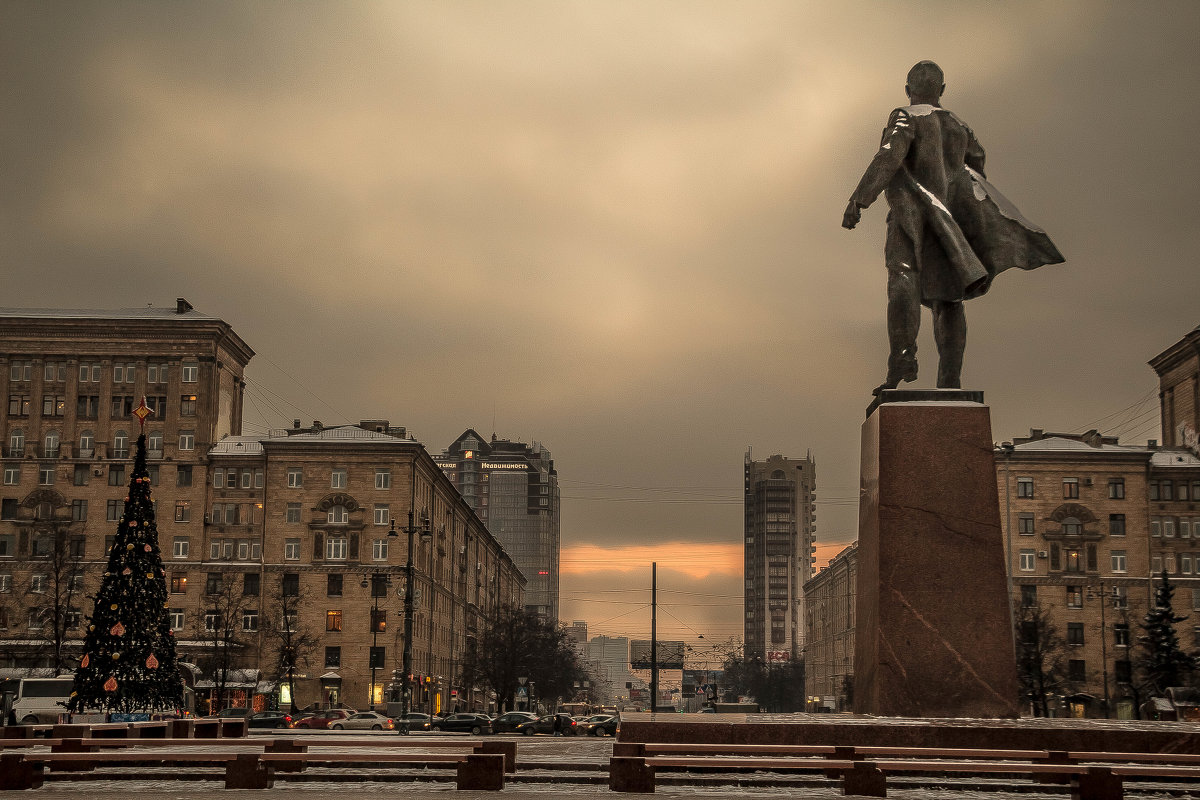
x,y
296,424
317,426
182,306
1036,433
1152,443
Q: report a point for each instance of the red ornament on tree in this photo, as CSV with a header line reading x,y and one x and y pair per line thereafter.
x,y
110,685
151,662
117,630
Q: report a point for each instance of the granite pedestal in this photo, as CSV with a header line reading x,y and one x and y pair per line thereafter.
x,y
933,628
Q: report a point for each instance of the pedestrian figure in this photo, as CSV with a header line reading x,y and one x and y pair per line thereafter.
x,y
557,725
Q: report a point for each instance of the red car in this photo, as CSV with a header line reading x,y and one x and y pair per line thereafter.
x,y
321,720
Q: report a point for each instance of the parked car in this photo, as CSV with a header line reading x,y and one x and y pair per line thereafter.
x,y
469,723
364,721
270,719
507,723
601,725
546,725
321,720
233,713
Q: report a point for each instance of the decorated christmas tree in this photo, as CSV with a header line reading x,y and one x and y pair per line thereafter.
x,y
128,661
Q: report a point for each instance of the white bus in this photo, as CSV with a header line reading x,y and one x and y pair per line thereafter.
x,y
35,700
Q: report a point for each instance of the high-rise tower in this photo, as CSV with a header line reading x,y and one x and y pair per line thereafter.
x,y
780,531
513,487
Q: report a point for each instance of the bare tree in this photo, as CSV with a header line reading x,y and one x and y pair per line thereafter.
x,y
291,642
221,632
1041,657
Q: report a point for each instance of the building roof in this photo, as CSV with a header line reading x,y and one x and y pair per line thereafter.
x,y
237,446
340,434
1055,443
1174,458
148,312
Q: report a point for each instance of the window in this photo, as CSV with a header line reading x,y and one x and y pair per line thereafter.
x,y
113,511
46,474
51,445
1181,490
20,371
1028,596
53,405
1185,528
376,659
293,512
37,583
383,479
291,550
378,620
154,443
259,478
55,371
250,620
176,619
337,479
213,583
8,510
1168,527
156,373
333,620
1024,487
18,405
1123,671
180,547
5,582
12,475
1074,597
16,443
183,511
124,373
120,446
1156,527
178,582
333,656
89,373
1185,563
1025,524
1070,488
1120,597
1071,527
379,549
122,405
79,509
211,619
116,475
183,476
189,372
335,548
8,545
1116,524
290,586
1166,490
337,515
383,514
187,405
187,440
1076,670
1075,634
1119,563
247,478
219,478
295,477
87,406
1028,560
333,584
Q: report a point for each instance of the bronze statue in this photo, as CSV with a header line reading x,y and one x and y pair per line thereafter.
x,y
949,232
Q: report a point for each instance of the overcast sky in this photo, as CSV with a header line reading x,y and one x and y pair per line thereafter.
x,y
611,227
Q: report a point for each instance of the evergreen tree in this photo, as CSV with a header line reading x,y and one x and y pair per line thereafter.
x,y
1164,663
128,660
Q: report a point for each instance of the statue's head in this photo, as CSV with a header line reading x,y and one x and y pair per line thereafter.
x,y
925,82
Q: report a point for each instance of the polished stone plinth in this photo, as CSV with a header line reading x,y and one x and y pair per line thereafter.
x,y
933,628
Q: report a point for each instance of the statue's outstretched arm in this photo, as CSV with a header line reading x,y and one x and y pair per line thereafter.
x,y
897,138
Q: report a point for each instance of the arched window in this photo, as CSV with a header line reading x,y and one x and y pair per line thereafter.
x,y
120,445
16,443
337,515
87,442
1071,526
50,447
43,511
777,475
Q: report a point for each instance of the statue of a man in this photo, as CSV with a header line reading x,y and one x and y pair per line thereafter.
x,y
949,232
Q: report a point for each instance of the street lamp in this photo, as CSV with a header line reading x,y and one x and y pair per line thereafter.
x,y
1103,596
406,685
377,578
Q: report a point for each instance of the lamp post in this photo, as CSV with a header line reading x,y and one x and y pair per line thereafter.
x,y
377,578
406,685
1103,596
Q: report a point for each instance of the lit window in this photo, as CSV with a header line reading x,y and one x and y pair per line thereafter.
x,y
333,620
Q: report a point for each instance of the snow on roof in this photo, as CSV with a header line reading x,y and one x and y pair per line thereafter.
x,y
1174,458
1056,443
343,433
237,446
104,313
